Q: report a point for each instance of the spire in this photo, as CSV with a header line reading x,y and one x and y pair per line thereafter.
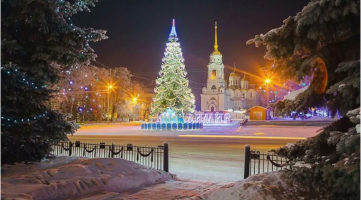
x,y
173,33
234,67
216,51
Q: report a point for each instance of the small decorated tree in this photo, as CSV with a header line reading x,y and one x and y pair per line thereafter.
x,y
172,88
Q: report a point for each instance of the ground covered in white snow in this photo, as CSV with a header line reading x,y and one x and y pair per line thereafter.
x,y
266,186
107,178
71,177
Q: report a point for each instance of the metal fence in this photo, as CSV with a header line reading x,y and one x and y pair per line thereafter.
x,y
154,157
257,162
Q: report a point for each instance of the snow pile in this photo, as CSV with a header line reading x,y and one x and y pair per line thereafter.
x,y
302,164
267,186
289,145
66,177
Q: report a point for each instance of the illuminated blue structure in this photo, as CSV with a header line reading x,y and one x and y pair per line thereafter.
x,y
169,120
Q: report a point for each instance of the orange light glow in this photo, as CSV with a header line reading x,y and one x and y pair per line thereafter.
x,y
238,136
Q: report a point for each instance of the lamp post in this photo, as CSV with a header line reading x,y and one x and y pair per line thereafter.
x,y
267,81
135,102
109,87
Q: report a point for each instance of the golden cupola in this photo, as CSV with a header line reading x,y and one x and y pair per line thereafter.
x,y
234,78
233,74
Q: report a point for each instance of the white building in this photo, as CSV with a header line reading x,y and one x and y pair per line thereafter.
x,y
218,96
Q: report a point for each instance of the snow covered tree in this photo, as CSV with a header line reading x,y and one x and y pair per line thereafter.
x,y
83,92
172,86
322,42
38,41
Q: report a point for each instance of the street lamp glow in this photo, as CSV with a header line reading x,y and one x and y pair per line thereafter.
x,y
108,114
135,100
267,81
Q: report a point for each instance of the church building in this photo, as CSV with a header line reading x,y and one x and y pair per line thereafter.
x,y
234,97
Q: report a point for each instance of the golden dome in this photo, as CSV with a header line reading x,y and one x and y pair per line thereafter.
x,y
233,74
216,52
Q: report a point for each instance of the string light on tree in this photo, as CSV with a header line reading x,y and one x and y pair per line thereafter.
x,y
172,86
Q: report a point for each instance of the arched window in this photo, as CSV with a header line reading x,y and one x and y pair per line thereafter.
x,y
213,87
250,94
214,73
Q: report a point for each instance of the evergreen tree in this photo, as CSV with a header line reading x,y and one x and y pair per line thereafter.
x,y
172,86
322,42
38,41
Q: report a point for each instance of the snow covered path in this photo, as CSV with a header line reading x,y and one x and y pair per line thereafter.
x,y
173,189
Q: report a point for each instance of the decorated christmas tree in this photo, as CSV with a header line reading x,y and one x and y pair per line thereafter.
x,y
38,42
172,86
322,42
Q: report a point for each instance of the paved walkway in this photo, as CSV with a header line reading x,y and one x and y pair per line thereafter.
x,y
171,190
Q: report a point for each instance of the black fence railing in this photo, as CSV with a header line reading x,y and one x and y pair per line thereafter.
x,y
257,162
154,157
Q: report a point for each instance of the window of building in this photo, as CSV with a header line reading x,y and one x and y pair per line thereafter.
x,y
250,95
214,73
213,87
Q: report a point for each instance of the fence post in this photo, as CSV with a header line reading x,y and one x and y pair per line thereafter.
x,y
70,148
166,158
247,159
113,150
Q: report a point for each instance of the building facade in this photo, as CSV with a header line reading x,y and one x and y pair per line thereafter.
x,y
234,97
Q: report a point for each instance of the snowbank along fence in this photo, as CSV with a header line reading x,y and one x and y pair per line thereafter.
x,y
257,163
154,157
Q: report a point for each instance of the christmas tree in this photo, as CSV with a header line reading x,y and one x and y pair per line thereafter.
x,y
172,86
38,42
322,42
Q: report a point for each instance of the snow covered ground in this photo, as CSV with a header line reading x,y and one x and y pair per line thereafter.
x,y
218,150
106,178
267,186
213,157
71,177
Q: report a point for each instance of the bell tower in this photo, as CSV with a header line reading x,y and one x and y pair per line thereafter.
x,y
215,66
215,96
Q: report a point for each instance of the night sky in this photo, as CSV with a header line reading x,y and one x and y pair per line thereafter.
x,y
138,31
